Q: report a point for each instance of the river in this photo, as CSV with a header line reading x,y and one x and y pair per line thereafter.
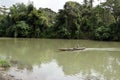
x,y
40,59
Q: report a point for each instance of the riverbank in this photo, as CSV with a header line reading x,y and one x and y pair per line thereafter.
x,y
4,64
4,76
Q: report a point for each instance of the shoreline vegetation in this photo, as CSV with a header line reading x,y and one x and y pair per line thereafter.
x,y
4,65
74,21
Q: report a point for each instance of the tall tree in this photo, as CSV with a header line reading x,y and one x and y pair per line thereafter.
x,y
49,14
114,7
86,2
68,19
91,3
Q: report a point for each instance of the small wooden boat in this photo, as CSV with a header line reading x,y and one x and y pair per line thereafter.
x,y
71,49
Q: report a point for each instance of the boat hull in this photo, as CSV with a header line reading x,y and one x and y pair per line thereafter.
x,y
71,49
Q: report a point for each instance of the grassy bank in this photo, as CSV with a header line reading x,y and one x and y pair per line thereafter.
x,y
4,63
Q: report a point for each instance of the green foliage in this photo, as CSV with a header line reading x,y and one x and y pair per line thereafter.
x,y
38,22
20,29
68,20
18,12
4,63
49,15
115,31
102,33
74,21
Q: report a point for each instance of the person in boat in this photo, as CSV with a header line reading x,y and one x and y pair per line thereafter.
x,y
75,47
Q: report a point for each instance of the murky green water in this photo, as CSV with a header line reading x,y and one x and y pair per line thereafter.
x,y
40,59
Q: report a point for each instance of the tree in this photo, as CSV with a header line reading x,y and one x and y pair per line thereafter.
x,y
4,24
91,3
86,2
18,12
75,21
102,33
69,18
114,9
50,15
20,29
37,21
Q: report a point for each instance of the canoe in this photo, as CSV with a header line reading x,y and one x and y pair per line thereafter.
x,y
71,49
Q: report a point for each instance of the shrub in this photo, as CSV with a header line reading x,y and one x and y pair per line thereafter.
x,y
102,33
4,63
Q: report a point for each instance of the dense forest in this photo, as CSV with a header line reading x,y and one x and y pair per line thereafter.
x,y
74,21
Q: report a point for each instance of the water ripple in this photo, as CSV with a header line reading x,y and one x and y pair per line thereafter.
x,y
102,49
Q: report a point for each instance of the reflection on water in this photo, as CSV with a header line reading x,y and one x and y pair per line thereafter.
x,y
40,59
52,71
46,71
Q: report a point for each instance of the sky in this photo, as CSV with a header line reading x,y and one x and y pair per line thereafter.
x,y
55,5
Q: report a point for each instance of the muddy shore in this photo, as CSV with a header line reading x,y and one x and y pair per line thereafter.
x,y
4,76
